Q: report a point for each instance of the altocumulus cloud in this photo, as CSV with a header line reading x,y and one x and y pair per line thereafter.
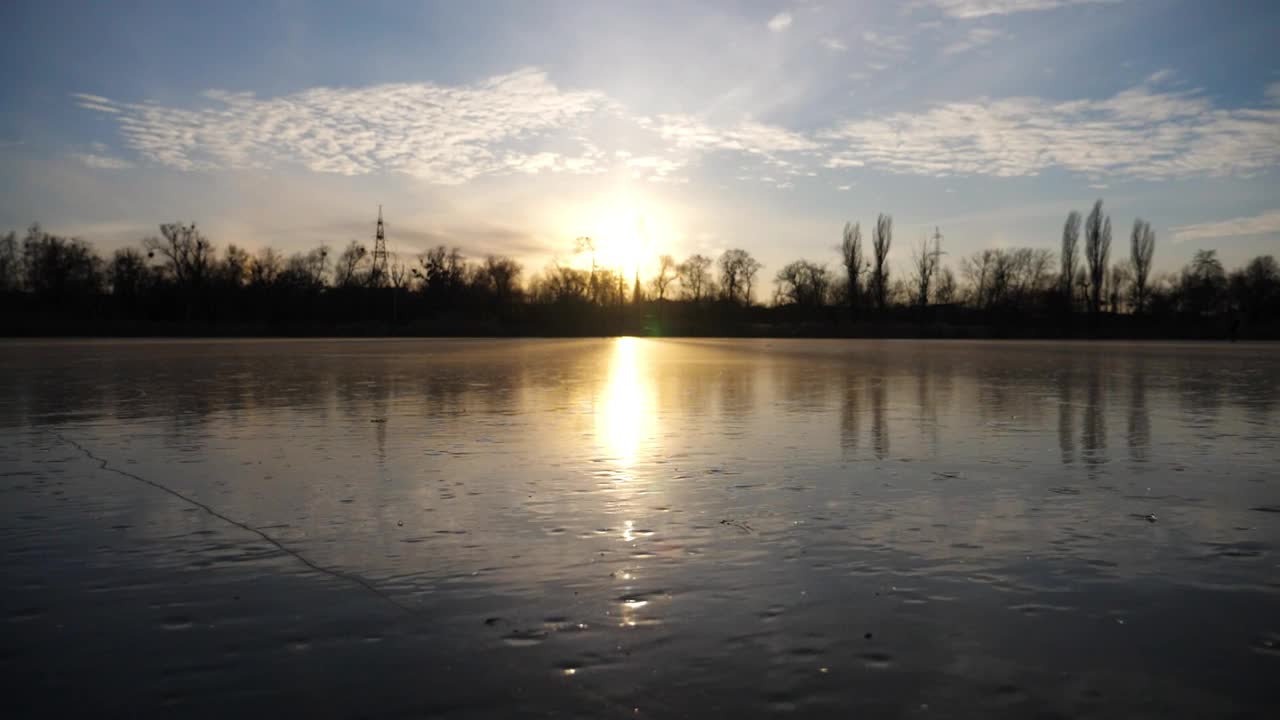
x,y
446,135
443,135
1140,133
522,123
984,8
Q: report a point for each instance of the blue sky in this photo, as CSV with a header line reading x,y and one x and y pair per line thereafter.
x,y
654,127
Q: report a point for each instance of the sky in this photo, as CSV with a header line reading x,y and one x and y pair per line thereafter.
x,y
654,127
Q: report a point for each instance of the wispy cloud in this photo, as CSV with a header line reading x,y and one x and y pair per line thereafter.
x,y
442,134
691,133
886,43
973,38
521,123
1265,224
1139,133
833,44
103,162
100,159
780,22
984,8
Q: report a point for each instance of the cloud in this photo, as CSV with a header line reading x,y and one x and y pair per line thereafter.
x,y
1137,134
102,162
688,132
833,45
655,169
886,43
446,135
1265,224
780,22
974,38
967,9
1273,93
523,124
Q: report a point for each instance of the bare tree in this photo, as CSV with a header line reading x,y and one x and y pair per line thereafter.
x,y
1069,255
499,276
803,283
1119,284
399,275
668,270
946,292
233,271
586,246
350,268
881,239
127,273
9,262
926,266
443,272
695,277
562,284
1142,247
187,254
266,267
737,274
851,257
1097,250
57,268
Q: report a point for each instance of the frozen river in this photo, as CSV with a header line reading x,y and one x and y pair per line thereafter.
x,y
639,528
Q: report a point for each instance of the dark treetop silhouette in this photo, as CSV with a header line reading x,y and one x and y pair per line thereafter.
x,y
180,284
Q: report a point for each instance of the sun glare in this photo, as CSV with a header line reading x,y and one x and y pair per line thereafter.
x,y
628,231
624,418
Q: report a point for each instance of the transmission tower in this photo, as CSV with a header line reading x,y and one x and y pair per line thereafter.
x,y
379,270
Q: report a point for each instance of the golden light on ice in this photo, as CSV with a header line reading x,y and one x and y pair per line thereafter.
x,y
624,415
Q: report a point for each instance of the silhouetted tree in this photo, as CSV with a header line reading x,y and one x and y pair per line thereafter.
x,y
881,239
1203,283
1097,250
233,271
128,274
57,269
265,268
695,277
803,283
350,269
851,258
1007,279
305,270
186,254
1119,284
946,292
1142,247
562,284
668,272
10,263
587,246
925,260
57,280
737,274
500,277
444,274
1070,251
1255,290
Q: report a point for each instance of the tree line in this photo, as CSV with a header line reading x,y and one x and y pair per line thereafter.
x,y
178,282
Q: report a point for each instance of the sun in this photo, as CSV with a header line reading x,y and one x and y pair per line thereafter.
x,y
621,238
628,231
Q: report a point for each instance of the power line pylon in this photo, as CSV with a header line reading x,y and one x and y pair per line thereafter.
x,y
379,269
